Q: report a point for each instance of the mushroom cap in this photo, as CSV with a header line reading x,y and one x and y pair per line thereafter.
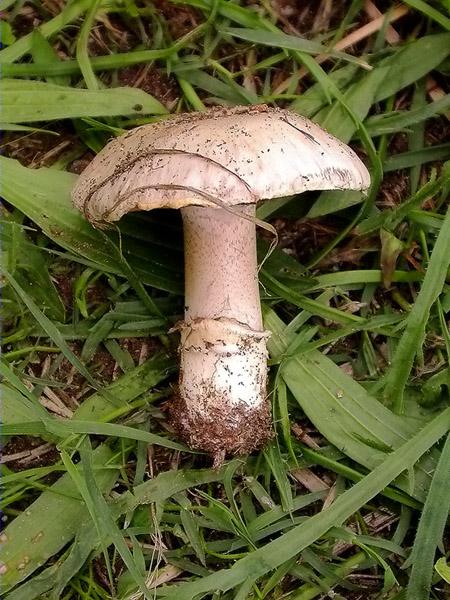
x,y
222,156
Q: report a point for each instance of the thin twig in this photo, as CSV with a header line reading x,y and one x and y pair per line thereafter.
x,y
27,455
391,35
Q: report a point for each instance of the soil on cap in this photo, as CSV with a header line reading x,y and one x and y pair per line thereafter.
x,y
224,430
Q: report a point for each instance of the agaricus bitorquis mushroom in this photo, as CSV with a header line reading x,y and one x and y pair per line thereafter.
x,y
216,166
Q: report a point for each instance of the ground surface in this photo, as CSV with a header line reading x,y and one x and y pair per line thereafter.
x,y
350,498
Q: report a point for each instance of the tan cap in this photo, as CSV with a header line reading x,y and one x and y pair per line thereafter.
x,y
237,156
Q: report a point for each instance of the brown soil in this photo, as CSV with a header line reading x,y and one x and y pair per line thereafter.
x,y
180,19
113,34
437,131
148,78
21,445
79,165
310,17
303,237
39,149
349,255
27,19
394,189
64,284
141,348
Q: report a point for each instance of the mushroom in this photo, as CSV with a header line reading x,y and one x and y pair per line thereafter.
x,y
215,166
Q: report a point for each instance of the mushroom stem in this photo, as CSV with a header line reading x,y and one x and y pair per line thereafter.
x,y
222,406
221,271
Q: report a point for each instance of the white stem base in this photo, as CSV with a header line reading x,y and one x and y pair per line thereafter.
x,y
222,406
224,360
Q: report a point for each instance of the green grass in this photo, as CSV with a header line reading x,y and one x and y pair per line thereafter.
x,y
113,505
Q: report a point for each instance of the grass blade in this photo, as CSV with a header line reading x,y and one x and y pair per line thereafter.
x,y
126,389
13,380
100,511
279,470
56,576
43,53
70,13
50,329
290,42
390,123
416,322
48,524
130,274
29,101
343,411
389,76
43,195
430,530
82,47
275,553
98,63
404,160
64,429
156,490
430,12
30,268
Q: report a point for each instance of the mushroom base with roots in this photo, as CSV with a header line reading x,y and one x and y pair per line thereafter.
x,y
224,430
222,405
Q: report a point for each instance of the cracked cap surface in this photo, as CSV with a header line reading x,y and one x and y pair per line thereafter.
x,y
222,156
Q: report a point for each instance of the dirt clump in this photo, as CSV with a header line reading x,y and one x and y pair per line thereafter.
x,y
224,431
